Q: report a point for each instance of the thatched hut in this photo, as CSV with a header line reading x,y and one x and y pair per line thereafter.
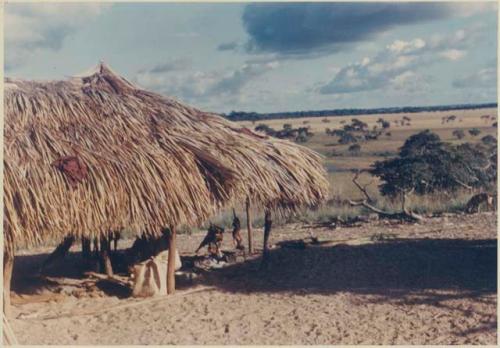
x,y
96,153
77,161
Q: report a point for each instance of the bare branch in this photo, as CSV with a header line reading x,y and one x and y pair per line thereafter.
x,y
362,188
463,184
406,215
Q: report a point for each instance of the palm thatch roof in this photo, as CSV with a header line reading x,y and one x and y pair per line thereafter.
x,y
133,178
150,161
274,172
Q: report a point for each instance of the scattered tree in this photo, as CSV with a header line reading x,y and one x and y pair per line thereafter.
x,y
354,149
485,118
489,140
474,132
347,138
301,134
383,123
265,129
459,134
358,125
425,164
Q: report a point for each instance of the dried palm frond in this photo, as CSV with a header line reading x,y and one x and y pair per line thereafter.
x,y
150,160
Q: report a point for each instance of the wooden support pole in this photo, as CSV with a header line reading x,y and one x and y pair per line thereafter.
x,y
86,248
249,226
267,231
105,259
172,250
115,243
96,247
8,265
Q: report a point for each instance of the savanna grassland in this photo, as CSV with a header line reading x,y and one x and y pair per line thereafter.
x,y
340,162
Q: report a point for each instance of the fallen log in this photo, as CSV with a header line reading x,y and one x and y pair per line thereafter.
x,y
402,215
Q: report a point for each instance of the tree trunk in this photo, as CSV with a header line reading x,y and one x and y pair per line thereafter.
x,y
267,231
171,261
8,264
249,227
59,253
403,200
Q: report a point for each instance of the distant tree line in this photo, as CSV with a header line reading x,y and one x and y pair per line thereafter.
x,y
254,116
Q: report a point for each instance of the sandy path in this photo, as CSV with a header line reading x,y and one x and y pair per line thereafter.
x,y
439,287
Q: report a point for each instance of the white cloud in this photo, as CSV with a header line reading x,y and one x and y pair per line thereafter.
x,y
199,85
468,9
43,26
452,54
396,66
405,47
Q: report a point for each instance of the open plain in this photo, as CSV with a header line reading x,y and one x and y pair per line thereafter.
x,y
377,283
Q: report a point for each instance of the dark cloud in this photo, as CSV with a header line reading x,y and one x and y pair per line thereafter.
x,y
299,28
229,46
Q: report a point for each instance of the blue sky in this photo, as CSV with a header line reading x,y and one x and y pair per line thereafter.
x,y
268,57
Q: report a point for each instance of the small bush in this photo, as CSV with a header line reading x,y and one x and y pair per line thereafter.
x,y
347,138
459,134
354,149
474,132
489,140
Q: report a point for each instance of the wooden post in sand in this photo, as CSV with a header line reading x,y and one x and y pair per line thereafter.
x,y
105,258
171,261
249,226
86,248
8,265
268,222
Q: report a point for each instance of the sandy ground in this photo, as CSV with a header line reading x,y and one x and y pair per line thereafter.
x,y
428,283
